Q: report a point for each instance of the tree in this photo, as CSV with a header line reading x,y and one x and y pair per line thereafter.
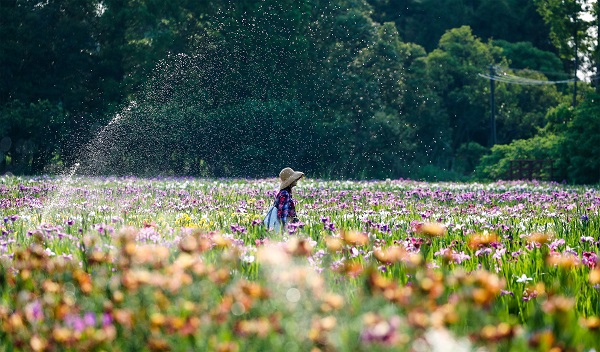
x,y
48,63
423,22
568,30
523,55
33,135
48,52
454,67
380,133
521,108
511,20
425,112
581,143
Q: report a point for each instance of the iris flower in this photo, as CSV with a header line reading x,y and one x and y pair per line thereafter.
x,y
523,278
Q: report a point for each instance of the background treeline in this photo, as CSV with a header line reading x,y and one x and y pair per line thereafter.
x,y
338,88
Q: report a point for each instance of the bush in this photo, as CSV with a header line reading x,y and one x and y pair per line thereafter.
x,y
468,156
581,143
496,165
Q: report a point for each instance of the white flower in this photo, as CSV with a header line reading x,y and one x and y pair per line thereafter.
x,y
49,252
523,278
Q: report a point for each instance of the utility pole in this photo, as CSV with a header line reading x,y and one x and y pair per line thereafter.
x,y
492,106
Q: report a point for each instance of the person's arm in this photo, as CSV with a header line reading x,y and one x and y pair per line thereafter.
x,y
283,206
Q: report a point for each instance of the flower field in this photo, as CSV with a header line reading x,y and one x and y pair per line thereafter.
x,y
128,264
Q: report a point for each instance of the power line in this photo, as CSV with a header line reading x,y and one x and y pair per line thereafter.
x,y
502,75
511,79
513,69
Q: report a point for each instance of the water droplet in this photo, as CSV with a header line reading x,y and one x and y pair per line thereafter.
x,y
293,295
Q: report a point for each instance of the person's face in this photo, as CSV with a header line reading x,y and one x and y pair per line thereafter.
x,y
294,183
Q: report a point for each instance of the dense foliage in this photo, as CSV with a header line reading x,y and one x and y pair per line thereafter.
x,y
345,88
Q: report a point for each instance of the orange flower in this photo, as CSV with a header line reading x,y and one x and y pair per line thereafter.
x,y
183,262
188,244
123,317
558,304
84,280
37,343
564,261
495,333
190,326
50,287
488,286
418,318
13,323
331,302
272,255
538,237
592,323
261,327
334,244
158,344
253,289
98,257
227,347
352,268
390,255
61,334
299,247
319,329
543,339
482,239
221,241
355,238
378,282
150,254
432,229
157,320
595,276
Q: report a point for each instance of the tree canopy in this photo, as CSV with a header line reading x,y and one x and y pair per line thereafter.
x,y
344,88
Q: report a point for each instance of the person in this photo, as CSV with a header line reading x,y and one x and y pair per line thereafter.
x,y
286,207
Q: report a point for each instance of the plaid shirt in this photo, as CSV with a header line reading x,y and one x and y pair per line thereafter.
x,y
285,205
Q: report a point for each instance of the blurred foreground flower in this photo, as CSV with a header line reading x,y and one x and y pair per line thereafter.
x,y
431,229
355,238
390,255
320,327
482,239
299,247
538,238
563,261
333,244
381,330
558,304
592,323
595,276
493,333
273,255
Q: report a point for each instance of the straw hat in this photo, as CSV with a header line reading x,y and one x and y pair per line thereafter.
x,y
288,176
